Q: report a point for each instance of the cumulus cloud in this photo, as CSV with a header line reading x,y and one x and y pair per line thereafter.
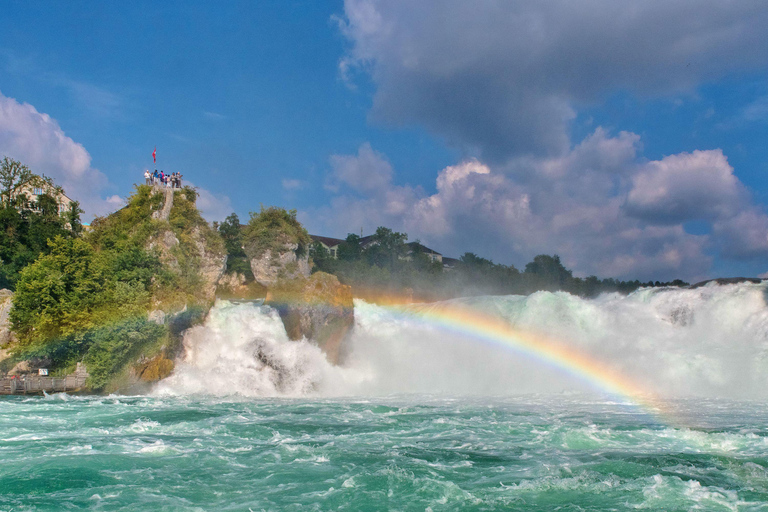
x,y
367,171
601,208
37,140
686,186
503,79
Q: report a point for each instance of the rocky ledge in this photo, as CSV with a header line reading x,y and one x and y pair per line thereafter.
x,y
318,308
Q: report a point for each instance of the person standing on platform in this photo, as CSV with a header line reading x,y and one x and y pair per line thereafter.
x,y
147,177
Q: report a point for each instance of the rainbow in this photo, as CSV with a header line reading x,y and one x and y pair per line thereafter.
x,y
598,374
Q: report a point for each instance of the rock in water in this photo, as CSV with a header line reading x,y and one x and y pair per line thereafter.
x,y
319,309
270,266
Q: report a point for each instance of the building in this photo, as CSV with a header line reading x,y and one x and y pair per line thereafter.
x,y
450,263
32,191
416,247
330,244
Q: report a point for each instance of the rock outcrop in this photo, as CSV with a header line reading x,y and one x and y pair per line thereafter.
x,y
6,302
270,266
210,264
154,369
318,308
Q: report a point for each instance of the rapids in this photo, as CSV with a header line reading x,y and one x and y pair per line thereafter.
x,y
422,416
710,341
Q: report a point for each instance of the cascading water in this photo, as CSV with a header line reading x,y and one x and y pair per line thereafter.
x,y
711,341
209,450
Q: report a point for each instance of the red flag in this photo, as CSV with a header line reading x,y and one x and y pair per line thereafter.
x,y
154,154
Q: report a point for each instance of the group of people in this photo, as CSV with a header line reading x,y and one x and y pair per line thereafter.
x,y
160,178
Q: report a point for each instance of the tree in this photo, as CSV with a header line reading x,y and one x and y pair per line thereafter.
x,y
550,272
72,217
232,233
350,249
14,176
273,229
386,247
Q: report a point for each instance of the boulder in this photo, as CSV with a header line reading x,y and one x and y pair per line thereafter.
x,y
319,309
30,365
6,302
154,369
270,266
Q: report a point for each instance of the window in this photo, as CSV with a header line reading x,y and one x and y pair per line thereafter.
x,y
38,191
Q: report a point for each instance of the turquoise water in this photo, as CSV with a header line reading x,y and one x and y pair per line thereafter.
x,y
397,453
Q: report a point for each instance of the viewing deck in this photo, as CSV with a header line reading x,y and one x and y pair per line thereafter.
x,y
38,384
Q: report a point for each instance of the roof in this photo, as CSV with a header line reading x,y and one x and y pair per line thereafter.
x,y
417,246
450,262
326,240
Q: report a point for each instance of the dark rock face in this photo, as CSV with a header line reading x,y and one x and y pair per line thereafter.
x,y
319,309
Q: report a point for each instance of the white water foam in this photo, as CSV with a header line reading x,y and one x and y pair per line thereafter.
x,y
710,341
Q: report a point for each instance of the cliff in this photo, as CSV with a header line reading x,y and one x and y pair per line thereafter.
x,y
319,309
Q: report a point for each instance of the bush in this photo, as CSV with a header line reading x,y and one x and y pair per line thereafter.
x,y
112,347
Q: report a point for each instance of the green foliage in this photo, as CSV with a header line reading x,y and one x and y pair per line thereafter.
x,y
14,176
350,249
271,230
111,347
132,225
25,228
74,288
385,264
177,282
231,232
72,217
24,235
386,248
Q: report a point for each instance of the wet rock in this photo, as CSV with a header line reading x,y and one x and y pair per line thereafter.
x,y
154,369
319,309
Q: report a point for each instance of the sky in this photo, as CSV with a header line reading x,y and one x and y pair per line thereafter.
x,y
629,138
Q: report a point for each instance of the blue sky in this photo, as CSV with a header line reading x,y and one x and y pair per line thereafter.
x,y
628,138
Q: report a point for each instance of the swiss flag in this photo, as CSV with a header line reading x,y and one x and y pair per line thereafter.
x,y
154,154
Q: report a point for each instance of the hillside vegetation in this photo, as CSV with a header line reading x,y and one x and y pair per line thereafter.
x,y
89,298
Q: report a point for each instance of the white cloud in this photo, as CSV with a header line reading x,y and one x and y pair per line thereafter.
x,y
293,184
504,79
686,186
756,111
38,141
597,206
367,171
745,235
